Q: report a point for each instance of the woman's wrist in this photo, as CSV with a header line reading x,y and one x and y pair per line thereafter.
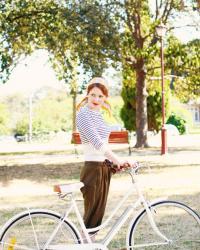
x,y
113,157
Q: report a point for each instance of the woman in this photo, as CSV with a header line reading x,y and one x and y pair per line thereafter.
x,y
94,133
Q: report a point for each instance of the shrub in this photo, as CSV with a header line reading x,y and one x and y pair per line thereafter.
x,y
177,121
21,128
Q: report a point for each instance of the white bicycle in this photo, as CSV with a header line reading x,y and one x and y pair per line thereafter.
x,y
160,224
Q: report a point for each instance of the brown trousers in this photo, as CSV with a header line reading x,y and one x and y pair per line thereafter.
x,y
96,177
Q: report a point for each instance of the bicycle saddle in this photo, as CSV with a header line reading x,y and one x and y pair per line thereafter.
x,y
68,188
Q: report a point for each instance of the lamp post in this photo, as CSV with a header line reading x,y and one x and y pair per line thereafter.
x,y
30,117
32,96
161,30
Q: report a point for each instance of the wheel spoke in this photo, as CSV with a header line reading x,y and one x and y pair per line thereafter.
x,y
21,233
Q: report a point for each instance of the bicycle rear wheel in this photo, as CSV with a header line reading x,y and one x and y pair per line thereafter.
x,y
178,222
31,230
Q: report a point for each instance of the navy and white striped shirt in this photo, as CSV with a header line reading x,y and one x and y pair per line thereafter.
x,y
94,133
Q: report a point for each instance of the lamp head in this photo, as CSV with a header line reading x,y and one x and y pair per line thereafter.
x,y
161,30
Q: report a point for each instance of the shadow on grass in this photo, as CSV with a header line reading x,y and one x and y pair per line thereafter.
x,y
44,172
39,172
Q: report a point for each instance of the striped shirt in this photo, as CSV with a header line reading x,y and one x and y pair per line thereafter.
x,y
94,133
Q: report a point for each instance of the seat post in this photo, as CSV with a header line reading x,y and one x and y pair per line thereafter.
x,y
80,219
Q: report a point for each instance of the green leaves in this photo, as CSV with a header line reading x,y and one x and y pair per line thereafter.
x,y
86,30
184,61
4,118
177,121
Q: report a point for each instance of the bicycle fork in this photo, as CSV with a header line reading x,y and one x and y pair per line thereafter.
x,y
150,215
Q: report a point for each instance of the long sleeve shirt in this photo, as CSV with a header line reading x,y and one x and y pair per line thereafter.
x,y
94,134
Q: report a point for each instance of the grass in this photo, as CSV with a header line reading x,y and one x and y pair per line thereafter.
x,y
177,183
194,130
24,183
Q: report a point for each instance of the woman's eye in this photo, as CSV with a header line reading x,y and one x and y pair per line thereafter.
x,y
93,95
100,96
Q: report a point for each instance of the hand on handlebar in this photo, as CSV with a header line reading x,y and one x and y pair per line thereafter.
x,y
129,164
121,166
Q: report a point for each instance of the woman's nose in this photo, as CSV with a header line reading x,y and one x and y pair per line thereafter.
x,y
96,99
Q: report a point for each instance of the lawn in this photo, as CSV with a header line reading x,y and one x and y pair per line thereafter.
x,y
175,176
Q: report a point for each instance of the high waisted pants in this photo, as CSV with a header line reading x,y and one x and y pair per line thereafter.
x,y
96,177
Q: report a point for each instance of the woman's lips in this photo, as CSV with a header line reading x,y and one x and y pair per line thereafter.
x,y
94,103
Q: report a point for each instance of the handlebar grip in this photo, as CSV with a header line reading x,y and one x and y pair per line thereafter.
x,y
114,168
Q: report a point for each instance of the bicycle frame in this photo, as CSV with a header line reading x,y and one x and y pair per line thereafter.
x,y
117,225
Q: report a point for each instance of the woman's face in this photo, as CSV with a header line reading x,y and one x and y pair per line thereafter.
x,y
96,98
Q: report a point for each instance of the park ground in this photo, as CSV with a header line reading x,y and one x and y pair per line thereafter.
x,y
26,179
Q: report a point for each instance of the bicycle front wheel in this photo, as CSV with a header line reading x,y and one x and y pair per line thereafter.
x,y
178,222
33,229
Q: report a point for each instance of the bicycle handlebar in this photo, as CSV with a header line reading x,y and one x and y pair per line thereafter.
x,y
114,168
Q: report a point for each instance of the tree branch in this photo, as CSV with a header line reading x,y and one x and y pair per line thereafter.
x,y
167,12
32,13
157,10
180,27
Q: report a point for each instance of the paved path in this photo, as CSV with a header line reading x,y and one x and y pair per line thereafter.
x,y
181,150
187,141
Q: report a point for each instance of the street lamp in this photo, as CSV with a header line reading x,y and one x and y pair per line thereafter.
x,y
161,30
32,96
30,99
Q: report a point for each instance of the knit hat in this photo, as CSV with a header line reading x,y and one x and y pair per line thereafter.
x,y
99,80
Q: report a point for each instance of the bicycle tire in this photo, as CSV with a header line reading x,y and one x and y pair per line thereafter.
x,y
18,234
177,221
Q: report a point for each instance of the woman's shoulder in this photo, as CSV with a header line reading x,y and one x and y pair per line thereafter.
x,y
83,112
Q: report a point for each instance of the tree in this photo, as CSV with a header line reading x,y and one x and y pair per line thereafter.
x,y
184,62
91,32
7,55
70,32
154,109
52,114
4,118
139,46
128,111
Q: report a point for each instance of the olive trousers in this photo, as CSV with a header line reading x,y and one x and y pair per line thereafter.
x,y
96,178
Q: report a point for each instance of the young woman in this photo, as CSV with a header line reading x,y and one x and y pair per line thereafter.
x,y
94,133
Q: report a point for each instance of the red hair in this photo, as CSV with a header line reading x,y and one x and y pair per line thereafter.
x,y
98,85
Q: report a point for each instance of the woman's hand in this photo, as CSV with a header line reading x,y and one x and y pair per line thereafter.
x,y
120,162
129,164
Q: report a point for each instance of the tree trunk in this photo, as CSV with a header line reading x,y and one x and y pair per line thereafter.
x,y
141,106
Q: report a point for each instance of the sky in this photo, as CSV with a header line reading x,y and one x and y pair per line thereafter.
x,y
35,71
30,74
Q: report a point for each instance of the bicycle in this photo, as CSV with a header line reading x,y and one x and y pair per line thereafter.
x,y
159,224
